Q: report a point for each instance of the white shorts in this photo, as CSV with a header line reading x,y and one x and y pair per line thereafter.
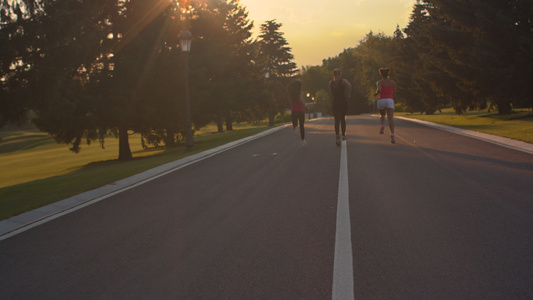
x,y
385,103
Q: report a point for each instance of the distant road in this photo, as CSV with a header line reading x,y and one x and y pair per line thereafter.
x,y
434,216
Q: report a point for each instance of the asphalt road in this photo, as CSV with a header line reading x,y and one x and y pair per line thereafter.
x,y
434,216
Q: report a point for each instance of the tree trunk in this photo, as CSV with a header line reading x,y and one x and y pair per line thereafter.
x,y
169,139
124,151
220,124
229,123
504,106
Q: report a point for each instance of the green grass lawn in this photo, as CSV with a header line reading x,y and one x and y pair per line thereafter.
x,y
518,125
37,171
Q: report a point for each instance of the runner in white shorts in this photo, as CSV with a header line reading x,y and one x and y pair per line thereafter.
x,y
385,91
385,103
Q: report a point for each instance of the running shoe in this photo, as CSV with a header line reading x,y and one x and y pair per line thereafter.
x,y
382,130
392,140
344,138
338,141
303,142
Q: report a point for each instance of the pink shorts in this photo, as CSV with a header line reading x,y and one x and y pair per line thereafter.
x,y
385,103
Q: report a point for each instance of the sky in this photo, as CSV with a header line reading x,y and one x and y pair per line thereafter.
x,y
319,29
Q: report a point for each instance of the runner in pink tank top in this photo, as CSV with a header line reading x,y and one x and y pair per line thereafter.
x,y
297,108
385,91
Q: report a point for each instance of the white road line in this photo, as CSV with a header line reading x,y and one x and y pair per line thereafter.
x,y
343,262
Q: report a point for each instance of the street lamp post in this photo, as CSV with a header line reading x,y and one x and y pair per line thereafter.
x,y
185,40
270,114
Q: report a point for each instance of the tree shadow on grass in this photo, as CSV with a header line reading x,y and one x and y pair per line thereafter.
x,y
14,143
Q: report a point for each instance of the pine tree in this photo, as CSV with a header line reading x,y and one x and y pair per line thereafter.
x,y
275,54
223,59
57,44
425,85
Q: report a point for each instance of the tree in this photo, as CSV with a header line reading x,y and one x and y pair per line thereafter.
x,y
360,66
223,58
375,51
56,45
489,47
79,61
275,55
13,104
314,79
140,33
423,83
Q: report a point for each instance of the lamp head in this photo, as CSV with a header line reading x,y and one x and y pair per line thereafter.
x,y
185,40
